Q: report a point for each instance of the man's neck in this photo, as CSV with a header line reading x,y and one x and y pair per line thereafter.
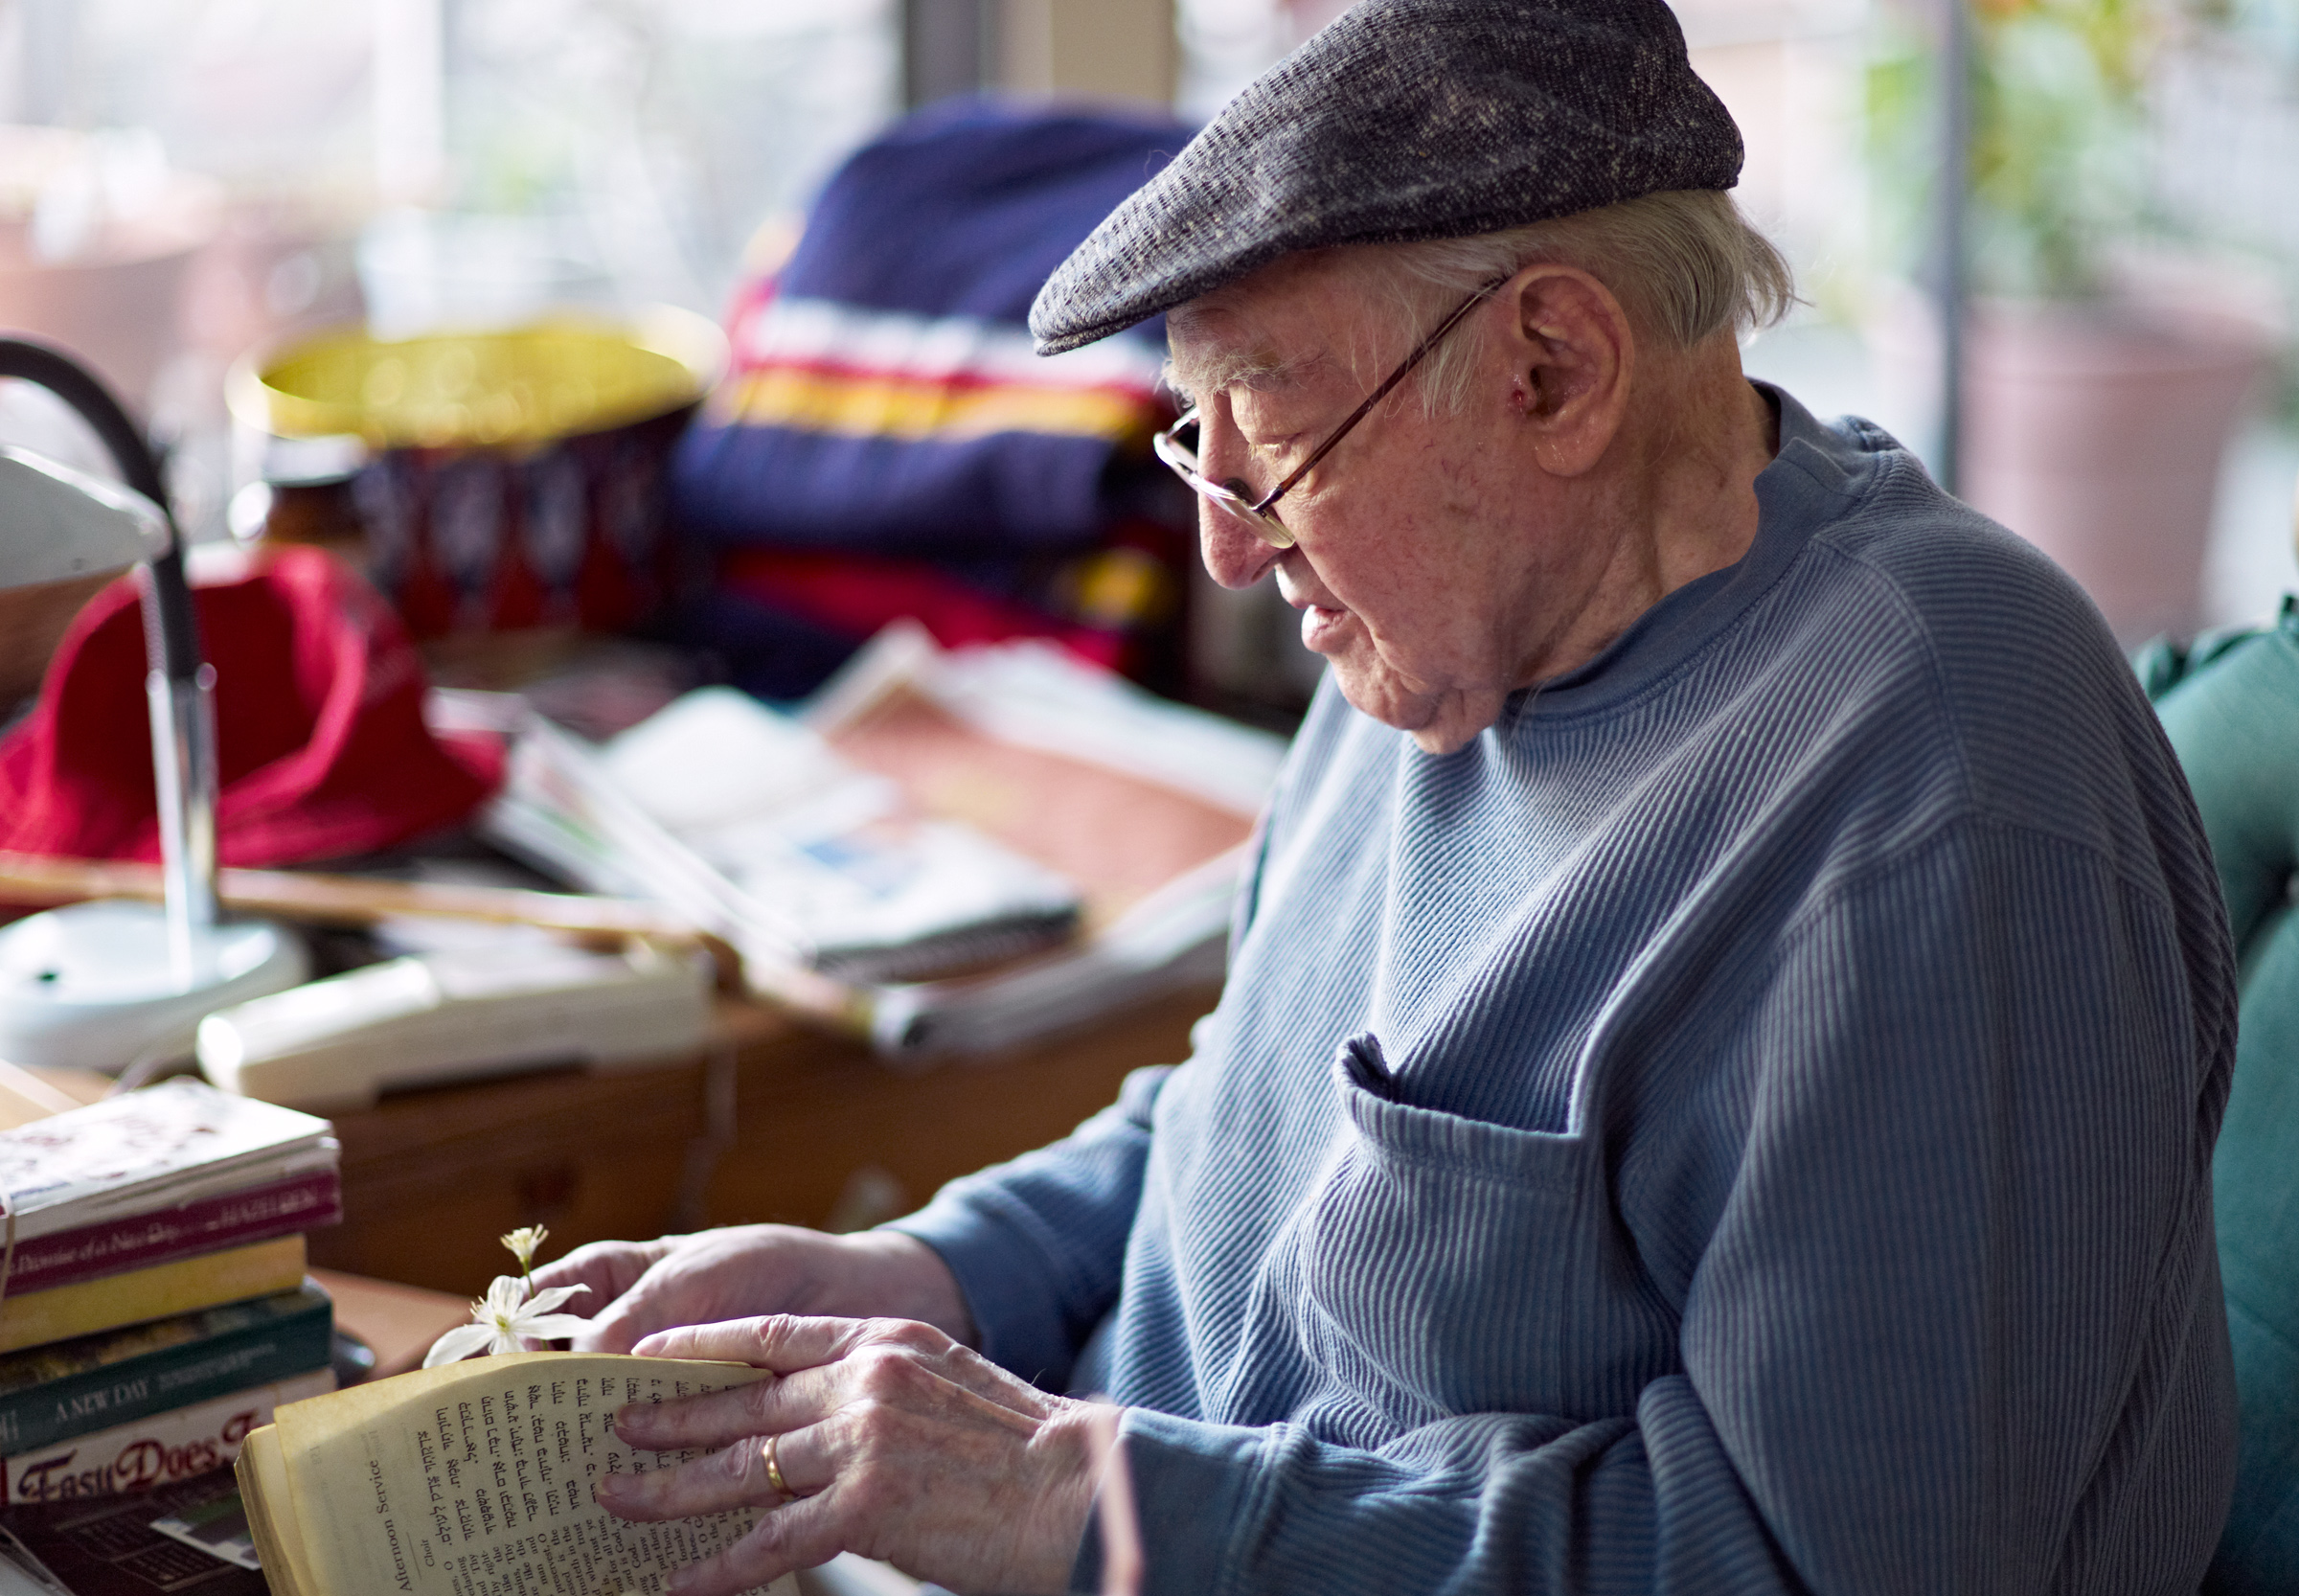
x,y
1674,498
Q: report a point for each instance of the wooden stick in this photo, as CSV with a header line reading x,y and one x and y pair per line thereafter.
x,y
317,900
39,1093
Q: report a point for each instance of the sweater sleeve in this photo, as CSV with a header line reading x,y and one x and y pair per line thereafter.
x,y
1948,1314
1038,1244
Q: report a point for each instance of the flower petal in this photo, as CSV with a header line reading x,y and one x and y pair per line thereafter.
x,y
458,1343
550,1296
504,1296
552,1327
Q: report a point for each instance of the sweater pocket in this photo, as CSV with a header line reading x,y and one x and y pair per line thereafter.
x,y
1451,1265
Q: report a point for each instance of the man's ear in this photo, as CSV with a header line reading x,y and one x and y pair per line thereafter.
x,y
1572,353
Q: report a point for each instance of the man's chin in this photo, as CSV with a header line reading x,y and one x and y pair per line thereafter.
x,y
1377,693
1449,735
1438,722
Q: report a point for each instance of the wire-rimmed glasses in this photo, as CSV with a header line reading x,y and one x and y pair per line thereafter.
x,y
1177,444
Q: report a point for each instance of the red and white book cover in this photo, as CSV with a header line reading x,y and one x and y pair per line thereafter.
x,y
172,1146
154,1451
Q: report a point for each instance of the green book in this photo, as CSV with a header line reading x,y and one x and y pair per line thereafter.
x,y
115,1377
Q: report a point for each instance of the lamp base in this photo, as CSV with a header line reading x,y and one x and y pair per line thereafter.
x,y
92,986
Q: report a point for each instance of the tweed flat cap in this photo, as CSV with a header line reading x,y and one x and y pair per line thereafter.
x,y
1405,120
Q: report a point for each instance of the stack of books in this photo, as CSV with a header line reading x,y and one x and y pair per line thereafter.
x,y
153,1308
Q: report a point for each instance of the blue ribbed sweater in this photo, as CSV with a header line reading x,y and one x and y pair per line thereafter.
x,y
1776,1154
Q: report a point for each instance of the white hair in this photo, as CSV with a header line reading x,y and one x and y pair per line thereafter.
x,y
1685,264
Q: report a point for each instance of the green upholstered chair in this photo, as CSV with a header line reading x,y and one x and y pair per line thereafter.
x,y
2231,705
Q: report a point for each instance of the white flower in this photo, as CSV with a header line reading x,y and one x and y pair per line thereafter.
x,y
525,1243
502,1320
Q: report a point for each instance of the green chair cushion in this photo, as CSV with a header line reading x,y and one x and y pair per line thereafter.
x,y
2231,707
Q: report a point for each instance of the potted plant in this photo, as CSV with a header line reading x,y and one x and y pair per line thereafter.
x,y
2103,370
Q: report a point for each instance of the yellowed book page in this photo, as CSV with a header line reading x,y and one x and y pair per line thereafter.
x,y
264,1491
476,1479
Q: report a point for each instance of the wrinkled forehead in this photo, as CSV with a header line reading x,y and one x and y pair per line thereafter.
x,y
1295,323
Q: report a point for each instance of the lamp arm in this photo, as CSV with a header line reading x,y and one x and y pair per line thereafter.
x,y
180,688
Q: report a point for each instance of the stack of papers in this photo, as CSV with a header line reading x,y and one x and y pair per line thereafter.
x,y
948,851
749,821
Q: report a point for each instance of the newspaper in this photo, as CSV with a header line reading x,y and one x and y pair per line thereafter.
x,y
948,851
749,822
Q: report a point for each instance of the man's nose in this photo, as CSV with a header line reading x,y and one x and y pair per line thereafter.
x,y
1234,556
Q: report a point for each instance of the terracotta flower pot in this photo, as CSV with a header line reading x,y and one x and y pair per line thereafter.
x,y
2095,431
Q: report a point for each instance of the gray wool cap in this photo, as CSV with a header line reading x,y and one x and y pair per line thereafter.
x,y
1406,120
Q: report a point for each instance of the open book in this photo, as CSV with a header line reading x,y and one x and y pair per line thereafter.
x,y
475,1479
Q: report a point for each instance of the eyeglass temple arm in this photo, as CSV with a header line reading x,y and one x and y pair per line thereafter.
x,y
1419,352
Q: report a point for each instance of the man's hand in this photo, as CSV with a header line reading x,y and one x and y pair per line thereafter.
x,y
638,1287
894,1441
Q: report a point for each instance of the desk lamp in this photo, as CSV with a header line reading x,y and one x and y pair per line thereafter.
x,y
106,984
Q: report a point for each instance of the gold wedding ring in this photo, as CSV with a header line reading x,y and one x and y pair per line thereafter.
x,y
774,1470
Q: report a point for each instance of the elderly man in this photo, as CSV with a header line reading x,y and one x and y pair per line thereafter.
x,y
1726,1028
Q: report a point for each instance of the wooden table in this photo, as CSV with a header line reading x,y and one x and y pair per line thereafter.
x,y
775,1123
399,1323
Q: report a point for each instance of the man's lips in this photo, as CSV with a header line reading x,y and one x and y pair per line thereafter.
x,y
1321,627
1321,617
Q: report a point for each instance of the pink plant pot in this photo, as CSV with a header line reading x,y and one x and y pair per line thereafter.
x,y
2096,432
117,301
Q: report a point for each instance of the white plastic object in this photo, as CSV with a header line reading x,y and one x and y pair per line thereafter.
x,y
435,1018
96,985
